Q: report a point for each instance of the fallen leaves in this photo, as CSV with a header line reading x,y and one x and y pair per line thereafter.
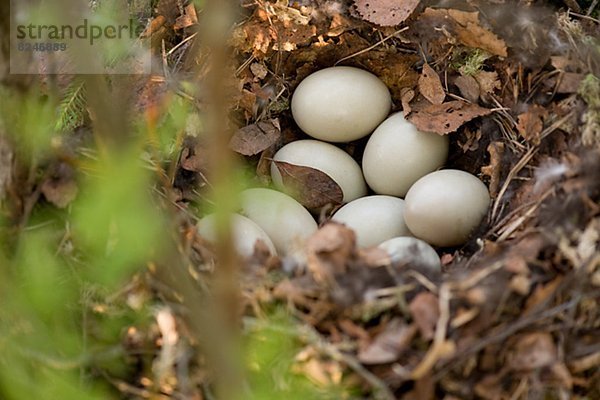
x,y
386,12
531,124
469,88
329,250
465,28
430,85
446,117
253,139
425,312
388,345
275,27
310,187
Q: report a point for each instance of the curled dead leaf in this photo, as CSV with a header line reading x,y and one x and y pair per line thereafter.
x,y
531,124
425,312
386,12
446,117
252,139
430,85
310,187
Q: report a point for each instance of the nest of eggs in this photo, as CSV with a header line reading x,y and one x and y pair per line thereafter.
x,y
459,264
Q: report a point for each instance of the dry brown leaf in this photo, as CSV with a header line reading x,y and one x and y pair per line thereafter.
x,y
287,15
488,81
531,124
329,250
339,24
569,82
407,95
430,85
425,311
389,345
60,192
260,37
60,188
465,28
395,70
252,139
533,351
195,155
469,88
246,100
386,12
446,117
259,70
311,187
494,169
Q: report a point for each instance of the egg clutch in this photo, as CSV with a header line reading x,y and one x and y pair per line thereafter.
x,y
415,203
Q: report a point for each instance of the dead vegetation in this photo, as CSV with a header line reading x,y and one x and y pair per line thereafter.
x,y
514,313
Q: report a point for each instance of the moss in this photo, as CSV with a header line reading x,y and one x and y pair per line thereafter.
x,y
469,61
589,90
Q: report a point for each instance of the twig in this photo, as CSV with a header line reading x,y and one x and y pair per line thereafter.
x,y
436,349
591,8
382,41
520,324
511,175
508,229
184,41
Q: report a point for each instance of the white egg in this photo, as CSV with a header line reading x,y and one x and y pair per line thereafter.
x,y
374,219
287,223
245,234
340,104
411,251
327,158
397,155
444,207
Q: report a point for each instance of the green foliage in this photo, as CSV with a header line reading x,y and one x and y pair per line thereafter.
x,y
271,350
29,119
114,220
72,108
40,338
